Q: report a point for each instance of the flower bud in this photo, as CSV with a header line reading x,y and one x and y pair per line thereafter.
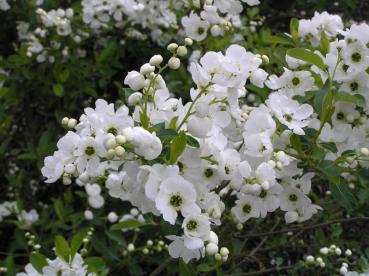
x,y
174,63
156,60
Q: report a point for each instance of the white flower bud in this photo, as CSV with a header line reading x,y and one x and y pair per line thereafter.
x,y
338,251
70,168
156,60
182,51
71,123
112,217
211,249
364,151
188,41
239,226
224,251
88,215
120,139
119,151
135,80
134,98
348,252
65,121
310,259
172,47
324,250
215,31
134,212
146,69
343,270
174,63
131,247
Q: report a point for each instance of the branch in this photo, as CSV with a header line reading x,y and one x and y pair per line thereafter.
x,y
161,267
309,227
276,269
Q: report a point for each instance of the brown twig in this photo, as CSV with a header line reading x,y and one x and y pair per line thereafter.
x,y
305,228
276,269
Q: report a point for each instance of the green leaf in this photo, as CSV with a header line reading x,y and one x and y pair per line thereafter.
x,y
177,147
144,120
38,261
342,194
329,168
192,142
307,56
204,267
186,269
108,51
294,29
94,264
324,44
62,249
132,223
64,76
58,90
330,146
166,133
76,243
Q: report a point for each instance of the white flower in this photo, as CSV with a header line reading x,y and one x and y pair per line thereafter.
x,y
176,194
135,80
247,206
289,112
195,27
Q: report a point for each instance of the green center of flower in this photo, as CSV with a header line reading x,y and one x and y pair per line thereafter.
x,y
354,86
263,194
176,200
287,117
89,150
295,81
340,116
200,30
191,225
113,131
246,208
208,172
356,57
293,198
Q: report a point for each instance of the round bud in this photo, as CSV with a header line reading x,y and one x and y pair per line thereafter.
x,y
174,63
120,139
65,121
156,60
188,41
88,215
211,249
224,251
146,69
134,98
364,151
343,270
338,251
172,47
112,217
324,250
239,226
134,212
310,259
131,247
71,123
119,151
182,51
